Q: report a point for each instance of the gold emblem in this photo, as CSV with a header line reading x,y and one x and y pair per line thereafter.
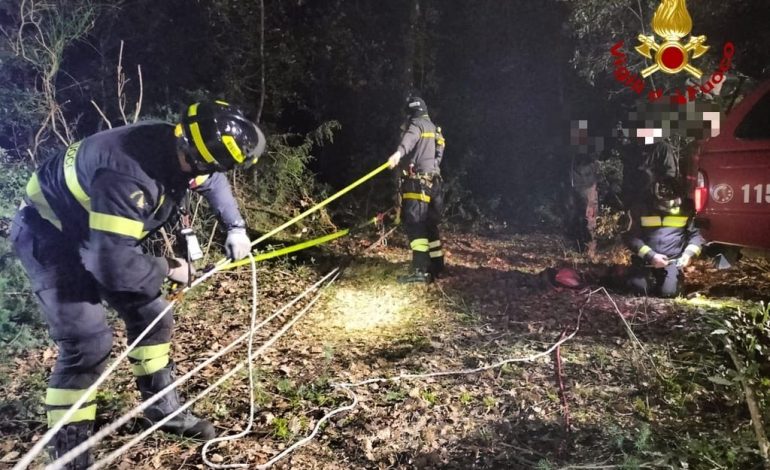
x,y
672,22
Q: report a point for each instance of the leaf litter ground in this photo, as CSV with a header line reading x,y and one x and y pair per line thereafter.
x,y
640,393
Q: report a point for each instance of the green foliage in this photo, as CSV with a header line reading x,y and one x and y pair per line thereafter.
x,y
281,428
746,331
283,186
18,312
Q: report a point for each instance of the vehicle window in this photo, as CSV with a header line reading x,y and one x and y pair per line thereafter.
x,y
756,124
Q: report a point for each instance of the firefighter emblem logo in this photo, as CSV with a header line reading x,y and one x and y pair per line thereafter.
x,y
138,198
722,193
672,22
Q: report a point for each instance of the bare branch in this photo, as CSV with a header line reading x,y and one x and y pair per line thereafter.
x,y
121,86
99,110
261,58
138,106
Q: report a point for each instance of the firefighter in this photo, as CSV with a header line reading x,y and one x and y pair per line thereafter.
x,y
583,197
78,236
663,239
418,159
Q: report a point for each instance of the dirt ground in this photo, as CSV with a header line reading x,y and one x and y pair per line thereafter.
x,y
634,387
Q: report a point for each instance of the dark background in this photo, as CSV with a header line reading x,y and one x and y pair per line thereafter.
x,y
502,78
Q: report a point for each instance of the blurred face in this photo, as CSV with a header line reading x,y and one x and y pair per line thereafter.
x,y
650,135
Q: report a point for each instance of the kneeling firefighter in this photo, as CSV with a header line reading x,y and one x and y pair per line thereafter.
x,y
664,240
418,158
78,236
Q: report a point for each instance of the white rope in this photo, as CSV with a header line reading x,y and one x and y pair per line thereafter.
x,y
347,386
250,362
40,445
107,430
116,453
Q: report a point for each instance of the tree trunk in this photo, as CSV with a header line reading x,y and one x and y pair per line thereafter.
x,y
410,42
261,59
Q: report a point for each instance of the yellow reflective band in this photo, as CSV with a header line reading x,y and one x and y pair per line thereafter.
x,y
84,414
441,141
115,224
419,244
651,221
674,221
436,254
150,352
199,144
160,203
71,177
233,148
417,196
435,244
644,250
223,103
694,249
36,196
65,396
426,135
192,110
149,366
178,130
199,180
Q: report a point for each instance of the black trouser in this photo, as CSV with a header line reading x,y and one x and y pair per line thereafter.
x,y
583,206
71,300
422,203
663,282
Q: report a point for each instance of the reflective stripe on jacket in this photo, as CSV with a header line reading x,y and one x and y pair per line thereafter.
x,y
110,190
418,146
653,232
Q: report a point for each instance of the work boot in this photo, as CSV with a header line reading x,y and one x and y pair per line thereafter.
x,y
184,424
69,437
417,276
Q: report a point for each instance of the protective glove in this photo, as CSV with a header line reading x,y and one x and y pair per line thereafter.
x,y
237,245
394,159
683,261
659,261
179,270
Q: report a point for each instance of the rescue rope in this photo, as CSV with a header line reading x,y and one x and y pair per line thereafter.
x,y
109,429
107,459
309,243
222,262
348,386
250,362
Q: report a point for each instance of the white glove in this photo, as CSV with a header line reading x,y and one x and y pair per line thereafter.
x,y
394,159
683,261
659,261
179,270
237,245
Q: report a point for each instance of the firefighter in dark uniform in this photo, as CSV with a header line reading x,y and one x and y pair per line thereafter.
x,y
78,237
664,240
583,197
418,159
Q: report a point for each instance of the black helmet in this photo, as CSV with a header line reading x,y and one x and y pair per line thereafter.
x,y
668,195
415,106
216,136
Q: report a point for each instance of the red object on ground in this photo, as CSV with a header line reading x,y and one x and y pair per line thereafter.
x,y
568,277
